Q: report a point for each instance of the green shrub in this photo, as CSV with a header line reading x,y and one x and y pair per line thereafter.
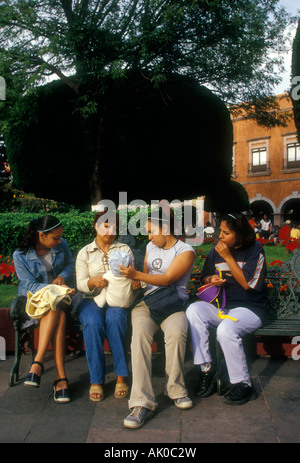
x,y
78,229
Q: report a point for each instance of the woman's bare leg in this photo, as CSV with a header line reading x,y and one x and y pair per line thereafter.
x,y
59,344
48,324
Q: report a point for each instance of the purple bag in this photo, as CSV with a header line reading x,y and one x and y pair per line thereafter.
x,y
210,293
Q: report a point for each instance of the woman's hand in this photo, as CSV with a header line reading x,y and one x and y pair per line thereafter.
x,y
128,272
97,282
237,273
135,285
73,292
214,280
223,250
59,281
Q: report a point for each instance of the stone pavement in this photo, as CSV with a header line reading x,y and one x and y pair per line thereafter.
x,y
30,415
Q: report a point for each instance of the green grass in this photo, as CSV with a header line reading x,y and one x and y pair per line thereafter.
x,y
7,294
276,253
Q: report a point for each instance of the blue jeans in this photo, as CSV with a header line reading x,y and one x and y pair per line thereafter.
x,y
98,324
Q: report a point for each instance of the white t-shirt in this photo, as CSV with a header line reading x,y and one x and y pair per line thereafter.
x,y
47,261
265,225
160,259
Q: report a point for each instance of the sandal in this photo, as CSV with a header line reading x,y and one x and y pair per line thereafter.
x,y
62,395
121,387
32,379
96,389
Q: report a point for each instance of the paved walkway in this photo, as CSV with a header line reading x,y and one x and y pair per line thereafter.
x,y
30,415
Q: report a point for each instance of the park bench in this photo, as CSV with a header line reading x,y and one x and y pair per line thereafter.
x,y
283,292
24,335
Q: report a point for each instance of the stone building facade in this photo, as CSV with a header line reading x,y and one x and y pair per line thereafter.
x,y
267,163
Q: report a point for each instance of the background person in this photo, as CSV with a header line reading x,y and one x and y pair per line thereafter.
x,y
208,231
295,233
252,222
275,234
43,258
266,227
285,231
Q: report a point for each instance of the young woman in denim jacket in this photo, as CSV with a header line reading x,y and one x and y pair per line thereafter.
x,y
43,258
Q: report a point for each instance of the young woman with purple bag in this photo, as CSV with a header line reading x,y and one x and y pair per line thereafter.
x,y
241,261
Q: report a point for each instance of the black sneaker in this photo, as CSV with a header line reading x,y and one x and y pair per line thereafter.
x,y
207,383
239,394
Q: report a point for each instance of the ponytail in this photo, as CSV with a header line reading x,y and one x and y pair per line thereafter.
x,y
43,224
164,215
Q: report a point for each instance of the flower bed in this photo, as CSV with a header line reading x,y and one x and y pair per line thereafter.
x,y
7,271
290,245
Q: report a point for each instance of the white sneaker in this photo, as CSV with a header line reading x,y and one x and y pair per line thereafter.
x,y
138,416
183,403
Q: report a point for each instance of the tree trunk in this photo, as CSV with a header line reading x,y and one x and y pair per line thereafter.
x,y
93,129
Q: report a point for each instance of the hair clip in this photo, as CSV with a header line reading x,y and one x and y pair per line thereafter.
x,y
48,229
230,215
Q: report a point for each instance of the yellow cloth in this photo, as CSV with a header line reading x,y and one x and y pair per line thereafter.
x,y
45,299
223,315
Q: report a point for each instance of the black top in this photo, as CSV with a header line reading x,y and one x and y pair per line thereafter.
x,y
253,264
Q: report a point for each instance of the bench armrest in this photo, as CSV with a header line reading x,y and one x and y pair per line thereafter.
x,y
17,309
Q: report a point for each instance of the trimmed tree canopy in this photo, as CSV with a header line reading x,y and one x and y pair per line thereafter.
x,y
172,142
230,197
126,106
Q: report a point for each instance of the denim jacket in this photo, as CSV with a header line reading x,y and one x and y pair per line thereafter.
x,y
32,273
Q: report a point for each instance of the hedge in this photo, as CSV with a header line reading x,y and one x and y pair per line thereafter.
x,y
78,229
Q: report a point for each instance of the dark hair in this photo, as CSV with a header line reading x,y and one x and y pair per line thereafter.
x,y
107,217
238,223
163,216
45,224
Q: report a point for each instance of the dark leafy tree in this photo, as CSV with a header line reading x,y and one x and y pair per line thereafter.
x,y
99,48
232,198
170,142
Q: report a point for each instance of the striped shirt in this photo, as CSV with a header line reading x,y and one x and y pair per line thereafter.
x,y
253,264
